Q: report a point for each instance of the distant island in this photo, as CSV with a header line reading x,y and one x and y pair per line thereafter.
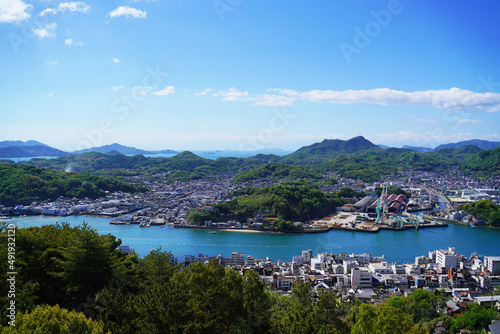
x,y
33,148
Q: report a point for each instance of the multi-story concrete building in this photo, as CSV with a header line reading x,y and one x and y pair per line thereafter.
x,y
361,278
446,258
492,263
237,259
379,268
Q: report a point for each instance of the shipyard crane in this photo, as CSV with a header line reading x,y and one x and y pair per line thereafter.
x,y
416,220
398,220
382,205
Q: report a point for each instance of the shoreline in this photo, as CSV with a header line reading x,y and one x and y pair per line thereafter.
x,y
316,231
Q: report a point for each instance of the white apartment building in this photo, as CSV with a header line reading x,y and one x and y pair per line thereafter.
x,y
349,264
412,269
447,258
492,263
361,277
379,268
306,256
398,269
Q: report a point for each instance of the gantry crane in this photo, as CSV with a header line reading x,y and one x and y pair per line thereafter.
x,y
382,205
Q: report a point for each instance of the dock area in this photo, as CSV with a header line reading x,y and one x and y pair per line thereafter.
x,y
361,223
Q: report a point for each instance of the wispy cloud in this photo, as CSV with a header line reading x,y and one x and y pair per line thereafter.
x,y
14,11
232,94
115,60
164,92
73,7
423,120
273,100
50,94
470,121
52,63
48,31
430,139
204,92
71,42
454,99
128,12
117,87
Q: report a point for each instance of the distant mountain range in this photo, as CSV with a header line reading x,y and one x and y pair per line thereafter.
x,y
33,148
419,148
30,151
355,158
18,143
338,155
482,144
127,150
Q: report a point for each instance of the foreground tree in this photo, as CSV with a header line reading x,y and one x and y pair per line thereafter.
x,y
54,320
382,319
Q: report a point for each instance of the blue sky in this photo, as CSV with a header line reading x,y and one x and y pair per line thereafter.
x,y
243,74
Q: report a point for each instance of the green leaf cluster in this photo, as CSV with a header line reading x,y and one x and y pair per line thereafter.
x,y
483,209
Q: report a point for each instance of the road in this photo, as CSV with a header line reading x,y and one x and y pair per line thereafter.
x,y
444,199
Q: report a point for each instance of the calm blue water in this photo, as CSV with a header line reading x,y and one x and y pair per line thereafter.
x,y
204,154
219,154
400,246
28,158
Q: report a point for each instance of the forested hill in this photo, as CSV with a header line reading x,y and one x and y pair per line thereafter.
x,y
484,163
329,149
29,183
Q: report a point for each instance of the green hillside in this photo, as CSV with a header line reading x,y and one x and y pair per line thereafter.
x,y
370,166
276,171
484,163
457,155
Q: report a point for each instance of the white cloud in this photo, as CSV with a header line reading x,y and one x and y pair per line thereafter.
x,y
273,100
470,121
164,92
52,63
430,138
128,12
49,31
117,87
423,120
71,42
232,95
115,60
78,6
141,90
73,7
454,99
14,11
50,94
48,11
204,92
